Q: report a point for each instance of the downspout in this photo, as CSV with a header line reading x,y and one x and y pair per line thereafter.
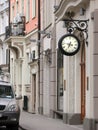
x,y
10,30
39,49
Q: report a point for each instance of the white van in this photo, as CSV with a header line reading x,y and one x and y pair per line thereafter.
x,y
9,109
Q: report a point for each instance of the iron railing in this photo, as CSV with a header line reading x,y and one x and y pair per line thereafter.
x,y
15,29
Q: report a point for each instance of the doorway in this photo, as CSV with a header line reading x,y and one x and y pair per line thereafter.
x,y
34,91
59,81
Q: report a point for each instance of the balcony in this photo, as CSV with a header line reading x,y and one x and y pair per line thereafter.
x,y
15,29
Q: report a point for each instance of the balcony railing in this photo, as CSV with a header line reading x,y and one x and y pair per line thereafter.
x,y
15,29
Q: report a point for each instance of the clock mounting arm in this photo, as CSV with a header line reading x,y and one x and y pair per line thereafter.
x,y
81,26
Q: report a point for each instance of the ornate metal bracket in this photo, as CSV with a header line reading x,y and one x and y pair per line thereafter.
x,y
78,26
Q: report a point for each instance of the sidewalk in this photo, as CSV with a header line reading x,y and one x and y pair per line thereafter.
x,y
38,122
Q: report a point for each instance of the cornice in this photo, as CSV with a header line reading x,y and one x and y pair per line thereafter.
x,y
68,5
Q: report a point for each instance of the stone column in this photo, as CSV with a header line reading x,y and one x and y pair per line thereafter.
x,y
95,69
91,123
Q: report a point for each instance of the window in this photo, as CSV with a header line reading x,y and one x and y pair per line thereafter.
x,y
6,92
47,12
33,54
33,8
22,6
17,5
13,11
7,56
27,10
6,18
1,2
2,23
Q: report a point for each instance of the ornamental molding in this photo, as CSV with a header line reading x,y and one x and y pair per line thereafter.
x,y
17,44
68,5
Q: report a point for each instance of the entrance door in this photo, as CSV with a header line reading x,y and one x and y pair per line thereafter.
x,y
34,91
60,82
83,82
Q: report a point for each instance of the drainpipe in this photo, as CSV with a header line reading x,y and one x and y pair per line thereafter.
x,y
10,30
39,27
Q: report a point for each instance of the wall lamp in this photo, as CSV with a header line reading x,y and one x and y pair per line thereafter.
x,y
48,34
34,40
37,42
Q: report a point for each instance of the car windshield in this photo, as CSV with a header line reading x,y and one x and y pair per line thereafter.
x,y
6,92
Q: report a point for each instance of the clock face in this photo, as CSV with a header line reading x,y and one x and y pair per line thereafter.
x,y
69,44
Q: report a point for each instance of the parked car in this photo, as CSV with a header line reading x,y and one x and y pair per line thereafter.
x,y
9,109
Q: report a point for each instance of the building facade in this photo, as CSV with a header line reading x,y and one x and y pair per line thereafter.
x,y
4,52
69,83
51,83
79,70
23,52
47,59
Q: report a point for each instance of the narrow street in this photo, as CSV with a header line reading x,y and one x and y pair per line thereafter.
x,y
38,122
49,64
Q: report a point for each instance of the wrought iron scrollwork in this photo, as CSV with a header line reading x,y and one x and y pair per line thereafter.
x,y
78,25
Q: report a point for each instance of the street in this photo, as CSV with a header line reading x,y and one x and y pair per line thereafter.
x,y
38,122
30,121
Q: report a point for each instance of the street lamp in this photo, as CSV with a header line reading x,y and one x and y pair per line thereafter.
x,y
48,34
34,40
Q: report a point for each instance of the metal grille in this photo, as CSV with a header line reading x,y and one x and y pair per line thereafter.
x,y
4,118
2,107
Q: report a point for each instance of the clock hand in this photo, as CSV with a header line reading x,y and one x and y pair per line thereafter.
x,y
69,44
